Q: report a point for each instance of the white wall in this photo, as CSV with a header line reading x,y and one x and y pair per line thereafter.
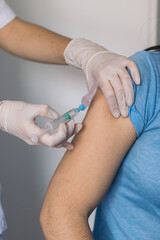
x,y
123,26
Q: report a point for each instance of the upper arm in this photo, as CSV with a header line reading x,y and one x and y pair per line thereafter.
x,y
84,174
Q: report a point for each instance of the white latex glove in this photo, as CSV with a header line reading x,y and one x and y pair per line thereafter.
x,y
108,69
18,118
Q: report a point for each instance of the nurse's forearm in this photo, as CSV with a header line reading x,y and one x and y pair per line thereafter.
x,y
32,42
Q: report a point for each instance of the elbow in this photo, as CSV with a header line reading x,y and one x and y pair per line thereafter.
x,y
59,214
44,220
64,207
50,221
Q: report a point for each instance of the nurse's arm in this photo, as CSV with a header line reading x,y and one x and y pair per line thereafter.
x,y
85,174
33,42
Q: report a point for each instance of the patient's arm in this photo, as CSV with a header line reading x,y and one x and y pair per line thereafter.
x,y
85,174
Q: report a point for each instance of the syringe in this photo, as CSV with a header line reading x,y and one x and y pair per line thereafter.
x,y
50,127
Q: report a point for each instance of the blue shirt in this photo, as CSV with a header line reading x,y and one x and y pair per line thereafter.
x,y
130,210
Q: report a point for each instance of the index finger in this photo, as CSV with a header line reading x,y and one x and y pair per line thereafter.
x,y
134,71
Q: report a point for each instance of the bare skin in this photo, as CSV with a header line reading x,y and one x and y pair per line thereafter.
x,y
33,42
85,174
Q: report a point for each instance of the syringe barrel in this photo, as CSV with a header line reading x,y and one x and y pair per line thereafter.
x,y
73,112
63,119
53,125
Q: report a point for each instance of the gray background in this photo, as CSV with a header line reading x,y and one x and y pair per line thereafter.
x,y
122,26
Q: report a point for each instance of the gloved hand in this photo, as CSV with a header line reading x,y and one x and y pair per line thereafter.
x,y
18,118
108,69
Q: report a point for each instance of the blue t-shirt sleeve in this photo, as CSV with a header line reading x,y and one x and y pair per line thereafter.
x,y
146,100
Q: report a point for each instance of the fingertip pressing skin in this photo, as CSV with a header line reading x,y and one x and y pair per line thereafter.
x,y
125,112
78,127
116,114
68,146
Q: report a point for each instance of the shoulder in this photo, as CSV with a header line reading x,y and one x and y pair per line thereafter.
x,y
147,62
147,94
